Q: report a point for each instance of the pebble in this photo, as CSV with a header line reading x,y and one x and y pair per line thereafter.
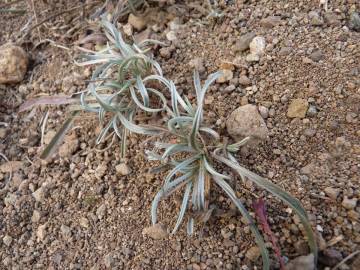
x,y
41,232
7,240
252,58
302,263
122,169
101,211
332,18
253,253
84,222
315,18
243,42
171,36
226,76
39,194
301,248
297,108
13,64
35,218
332,193
257,46
312,111
316,55
264,112
139,23
270,22
244,80
330,257
156,232
354,21
247,121
349,203
65,231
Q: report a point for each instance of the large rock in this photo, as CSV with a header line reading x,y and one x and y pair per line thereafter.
x,y
354,21
13,63
246,121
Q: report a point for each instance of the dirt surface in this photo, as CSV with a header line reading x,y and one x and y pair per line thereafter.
x,y
76,212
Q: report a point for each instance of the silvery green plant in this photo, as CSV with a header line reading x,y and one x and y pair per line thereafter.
x,y
200,148
126,83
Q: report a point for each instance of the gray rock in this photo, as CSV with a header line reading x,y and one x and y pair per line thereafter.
x,y
332,18
257,46
302,263
246,121
264,112
315,18
243,42
101,211
354,21
7,240
244,80
156,232
65,231
349,203
312,111
270,21
316,55
13,63
331,192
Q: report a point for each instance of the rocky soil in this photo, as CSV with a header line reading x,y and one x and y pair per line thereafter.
x,y
296,62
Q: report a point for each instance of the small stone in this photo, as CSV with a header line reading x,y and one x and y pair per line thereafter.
x,y
13,64
297,108
122,169
226,76
257,46
2,133
198,64
315,18
69,146
156,232
166,52
243,42
331,18
171,36
7,240
285,51
264,112
100,212
312,111
332,193
84,222
349,203
252,58
36,216
310,132
316,55
65,231
229,88
253,253
246,121
302,263
138,23
354,22
244,80
352,214
351,117
39,194
41,232
270,22
330,257
128,29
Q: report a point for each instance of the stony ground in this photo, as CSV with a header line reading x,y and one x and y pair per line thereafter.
x,y
80,210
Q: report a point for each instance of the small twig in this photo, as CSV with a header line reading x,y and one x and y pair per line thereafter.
x,y
56,15
43,126
346,259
